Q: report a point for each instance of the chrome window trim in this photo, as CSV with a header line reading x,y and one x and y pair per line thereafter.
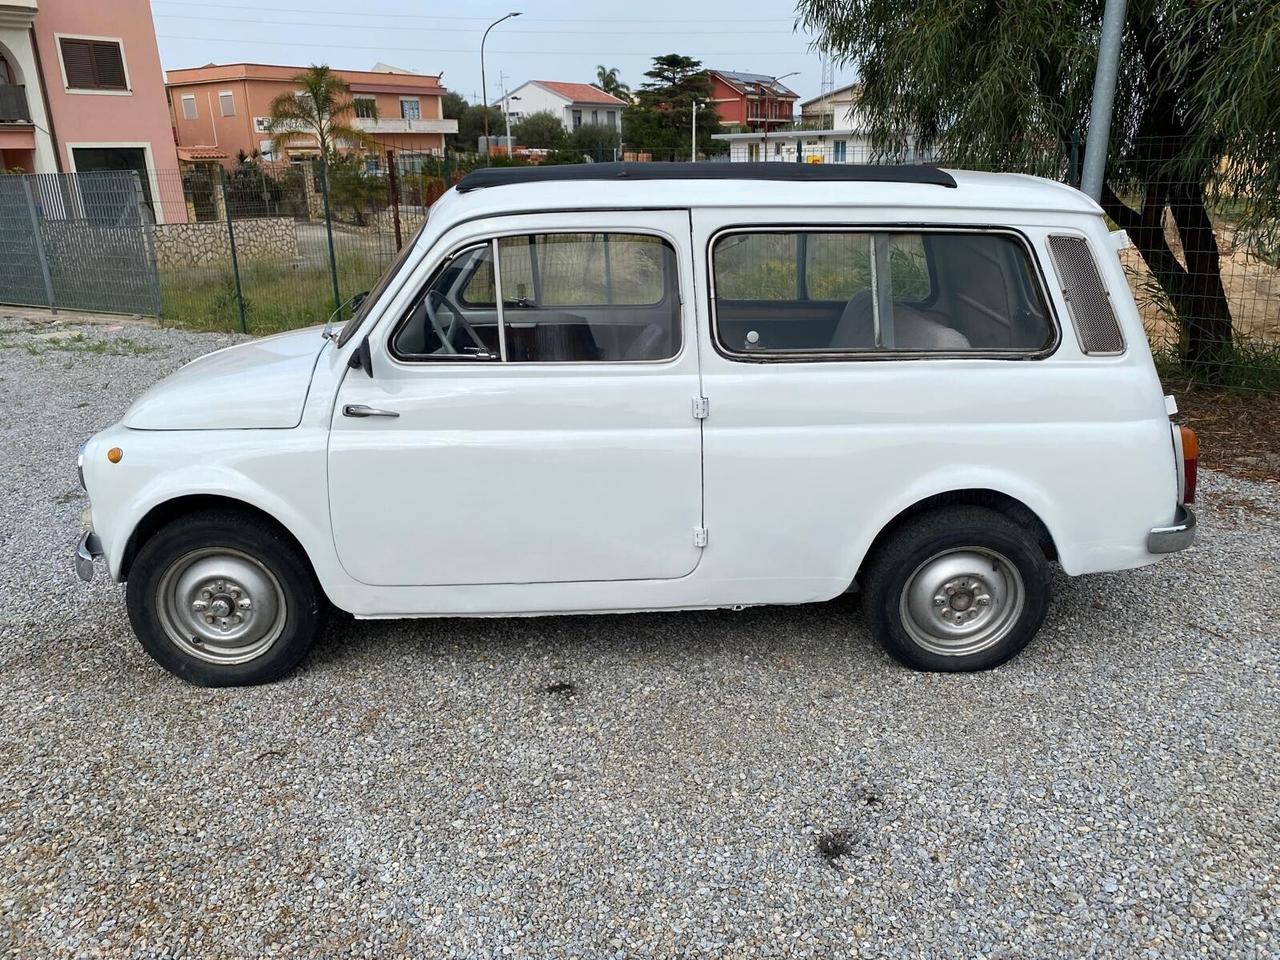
x,y
879,354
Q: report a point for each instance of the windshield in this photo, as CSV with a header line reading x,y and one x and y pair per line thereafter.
x,y
351,326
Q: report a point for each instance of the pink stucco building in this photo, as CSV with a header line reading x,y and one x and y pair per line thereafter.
x,y
81,89
220,110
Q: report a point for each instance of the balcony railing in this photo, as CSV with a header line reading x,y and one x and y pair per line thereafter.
x,y
13,104
399,125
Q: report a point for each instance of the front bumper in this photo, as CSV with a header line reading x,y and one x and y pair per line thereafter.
x,y
1177,536
88,550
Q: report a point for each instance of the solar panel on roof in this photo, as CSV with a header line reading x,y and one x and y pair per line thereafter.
x,y
789,172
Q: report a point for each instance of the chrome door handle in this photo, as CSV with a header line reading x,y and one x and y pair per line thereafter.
x,y
360,410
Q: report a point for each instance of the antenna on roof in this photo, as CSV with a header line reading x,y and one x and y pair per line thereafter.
x,y
826,93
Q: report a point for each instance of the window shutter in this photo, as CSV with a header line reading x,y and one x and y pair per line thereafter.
x,y
108,65
78,62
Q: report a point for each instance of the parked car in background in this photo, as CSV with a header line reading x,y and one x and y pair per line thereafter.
x,y
617,387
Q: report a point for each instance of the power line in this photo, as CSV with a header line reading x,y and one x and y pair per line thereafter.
x,y
518,32
339,44
418,16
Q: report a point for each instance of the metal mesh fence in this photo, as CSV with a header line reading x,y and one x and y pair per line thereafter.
x,y
266,246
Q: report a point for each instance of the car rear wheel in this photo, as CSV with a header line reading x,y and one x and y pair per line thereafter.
x,y
957,589
224,599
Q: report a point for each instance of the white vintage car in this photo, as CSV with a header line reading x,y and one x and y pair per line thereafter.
x,y
629,387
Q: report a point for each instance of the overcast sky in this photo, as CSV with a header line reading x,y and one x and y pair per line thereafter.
x,y
552,40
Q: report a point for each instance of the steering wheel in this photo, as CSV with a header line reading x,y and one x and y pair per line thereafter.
x,y
446,335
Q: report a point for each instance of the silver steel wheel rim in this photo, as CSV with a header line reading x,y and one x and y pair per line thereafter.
x,y
962,601
221,605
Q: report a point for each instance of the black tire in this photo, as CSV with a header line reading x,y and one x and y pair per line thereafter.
x,y
938,546
290,604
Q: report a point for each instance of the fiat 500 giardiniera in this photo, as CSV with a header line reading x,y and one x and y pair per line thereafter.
x,y
630,387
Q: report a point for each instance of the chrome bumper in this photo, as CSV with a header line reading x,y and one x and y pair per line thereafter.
x,y
87,550
1177,536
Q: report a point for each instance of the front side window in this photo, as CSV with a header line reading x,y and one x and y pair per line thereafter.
x,y
549,298
874,291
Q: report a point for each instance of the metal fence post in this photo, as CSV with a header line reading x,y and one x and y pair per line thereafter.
x,y
38,241
231,238
393,188
328,229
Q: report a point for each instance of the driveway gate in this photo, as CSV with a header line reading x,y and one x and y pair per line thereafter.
x,y
79,241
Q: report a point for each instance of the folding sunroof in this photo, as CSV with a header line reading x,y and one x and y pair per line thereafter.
x,y
790,172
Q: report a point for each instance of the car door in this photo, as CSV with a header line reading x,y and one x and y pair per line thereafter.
x,y
530,412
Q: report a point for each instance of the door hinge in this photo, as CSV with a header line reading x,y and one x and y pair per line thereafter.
x,y
699,536
701,408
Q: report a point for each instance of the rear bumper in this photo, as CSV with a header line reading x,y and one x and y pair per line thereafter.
x,y
88,550
1176,536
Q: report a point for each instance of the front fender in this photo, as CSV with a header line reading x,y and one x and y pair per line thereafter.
x,y
280,472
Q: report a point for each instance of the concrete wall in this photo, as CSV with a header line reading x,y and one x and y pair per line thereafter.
x,y
203,244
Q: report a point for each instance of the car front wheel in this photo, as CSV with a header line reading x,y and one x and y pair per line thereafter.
x,y
224,599
957,589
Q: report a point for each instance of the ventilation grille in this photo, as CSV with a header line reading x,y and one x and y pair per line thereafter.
x,y
1087,297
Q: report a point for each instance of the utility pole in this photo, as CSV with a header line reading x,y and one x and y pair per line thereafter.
x,y
773,82
484,89
693,132
1104,95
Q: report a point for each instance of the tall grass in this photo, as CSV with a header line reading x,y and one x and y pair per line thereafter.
x,y
277,296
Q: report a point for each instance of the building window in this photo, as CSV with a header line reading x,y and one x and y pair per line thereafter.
x,y
577,119
93,64
227,103
838,151
367,108
613,119
753,151
410,109
595,117
188,106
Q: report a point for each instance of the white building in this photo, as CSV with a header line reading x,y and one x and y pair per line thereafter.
x,y
807,146
840,134
575,104
837,110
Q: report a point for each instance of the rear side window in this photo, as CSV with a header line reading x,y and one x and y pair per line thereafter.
x,y
549,298
877,291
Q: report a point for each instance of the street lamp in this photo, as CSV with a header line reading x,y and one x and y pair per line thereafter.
x,y
484,90
772,83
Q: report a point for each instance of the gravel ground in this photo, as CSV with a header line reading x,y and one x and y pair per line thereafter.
x,y
761,783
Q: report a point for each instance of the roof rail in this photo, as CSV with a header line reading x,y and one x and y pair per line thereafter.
x,y
710,170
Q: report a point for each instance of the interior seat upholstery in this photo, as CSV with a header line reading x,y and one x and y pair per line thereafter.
x,y
912,330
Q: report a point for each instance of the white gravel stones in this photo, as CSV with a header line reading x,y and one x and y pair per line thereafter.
x,y
427,789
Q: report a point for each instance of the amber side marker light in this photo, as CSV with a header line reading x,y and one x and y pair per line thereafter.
x,y
115,454
1190,463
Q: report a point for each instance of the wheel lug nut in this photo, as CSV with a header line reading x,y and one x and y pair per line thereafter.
x,y
208,618
245,603
199,605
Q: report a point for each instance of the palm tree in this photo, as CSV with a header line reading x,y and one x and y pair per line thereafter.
x,y
607,80
318,112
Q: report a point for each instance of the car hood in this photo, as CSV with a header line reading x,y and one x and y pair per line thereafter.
x,y
262,384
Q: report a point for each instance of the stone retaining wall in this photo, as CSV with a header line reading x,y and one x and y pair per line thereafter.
x,y
202,244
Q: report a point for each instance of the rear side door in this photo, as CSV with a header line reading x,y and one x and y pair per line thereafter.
x,y
533,419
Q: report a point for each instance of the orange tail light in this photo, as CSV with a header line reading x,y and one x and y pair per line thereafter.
x,y
1190,463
